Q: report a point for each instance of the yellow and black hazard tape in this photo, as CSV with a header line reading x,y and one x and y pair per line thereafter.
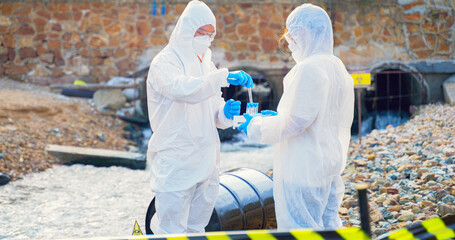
x,y
299,234
435,228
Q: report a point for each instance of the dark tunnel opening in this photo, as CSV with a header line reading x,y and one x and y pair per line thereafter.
x,y
393,89
389,100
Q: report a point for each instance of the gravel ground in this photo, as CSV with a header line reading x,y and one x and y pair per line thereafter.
x,y
410,169
32,116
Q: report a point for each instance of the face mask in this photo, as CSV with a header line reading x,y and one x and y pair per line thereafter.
x,y
201,44
295,50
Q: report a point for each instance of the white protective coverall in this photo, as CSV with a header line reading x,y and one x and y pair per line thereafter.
x,y
312,128
185,108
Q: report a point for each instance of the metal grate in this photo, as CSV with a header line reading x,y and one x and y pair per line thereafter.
x,y
395,90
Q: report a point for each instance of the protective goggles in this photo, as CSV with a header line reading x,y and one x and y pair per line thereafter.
x,y
289,38
202,32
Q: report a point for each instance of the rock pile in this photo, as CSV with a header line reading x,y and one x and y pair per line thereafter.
x,y
410,169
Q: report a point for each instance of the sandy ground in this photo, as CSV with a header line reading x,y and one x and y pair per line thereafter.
x,y
32,116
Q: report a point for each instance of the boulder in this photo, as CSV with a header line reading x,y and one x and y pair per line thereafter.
x,y
446,209
4,178
406,216
109,99
449,90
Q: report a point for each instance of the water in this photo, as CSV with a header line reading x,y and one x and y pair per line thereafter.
x,y
381,119
82,201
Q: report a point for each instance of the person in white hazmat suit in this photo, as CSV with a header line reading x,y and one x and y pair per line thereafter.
x,y
185,109
312,127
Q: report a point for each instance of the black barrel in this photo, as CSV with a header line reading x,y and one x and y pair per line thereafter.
x,y
245,202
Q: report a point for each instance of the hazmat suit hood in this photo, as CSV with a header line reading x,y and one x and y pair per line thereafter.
x,y
195,15
311,29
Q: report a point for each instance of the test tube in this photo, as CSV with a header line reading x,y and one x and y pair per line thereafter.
x,y
250,95
252,108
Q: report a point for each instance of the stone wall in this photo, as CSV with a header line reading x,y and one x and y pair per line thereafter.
x,y
405,30
44,41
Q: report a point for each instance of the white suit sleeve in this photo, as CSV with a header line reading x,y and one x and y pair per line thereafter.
x,y
169,80
218,108
308,91
221,121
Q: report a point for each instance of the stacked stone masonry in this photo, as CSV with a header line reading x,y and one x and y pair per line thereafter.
x,y
105,38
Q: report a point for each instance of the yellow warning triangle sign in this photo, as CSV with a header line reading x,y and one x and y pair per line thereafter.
x,y
137,229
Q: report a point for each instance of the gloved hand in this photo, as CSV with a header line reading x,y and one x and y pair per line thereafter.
x,y
244,126
231,108
267,113
240,78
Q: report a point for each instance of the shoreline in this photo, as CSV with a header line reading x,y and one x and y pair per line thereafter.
x,y
32,116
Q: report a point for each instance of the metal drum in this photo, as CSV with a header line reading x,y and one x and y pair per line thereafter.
x,y
245,201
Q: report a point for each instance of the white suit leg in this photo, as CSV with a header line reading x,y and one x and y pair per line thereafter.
x,y
203,203
305,206
331,217
172,211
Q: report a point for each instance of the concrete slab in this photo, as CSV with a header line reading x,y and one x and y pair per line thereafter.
x,y
449,90
97,157
445,66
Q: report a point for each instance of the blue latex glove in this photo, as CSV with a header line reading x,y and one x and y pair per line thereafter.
x,y
231,108
244,126
240,78
267,113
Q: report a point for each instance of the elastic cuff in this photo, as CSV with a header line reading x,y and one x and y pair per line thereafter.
x,y
224,82
218,79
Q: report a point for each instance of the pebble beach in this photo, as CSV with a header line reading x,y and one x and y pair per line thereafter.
x,y
409,168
